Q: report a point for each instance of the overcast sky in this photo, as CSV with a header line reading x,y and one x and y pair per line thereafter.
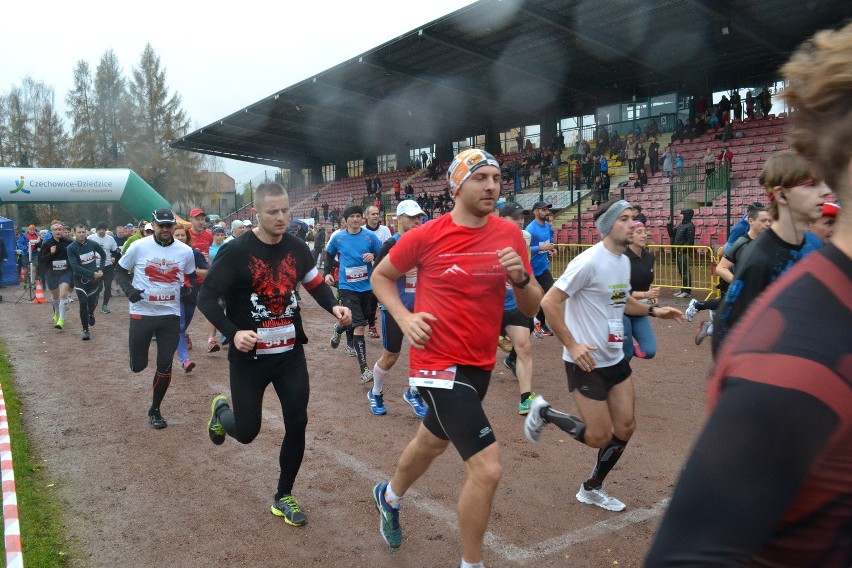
x,y
219,59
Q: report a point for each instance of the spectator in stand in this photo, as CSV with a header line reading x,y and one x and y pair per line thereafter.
x,y
397,190
588,168
604,187
315,215
726,156
631,155
683,236
679,164
641,156
737,105
325,210
701,106
765,102
668,162
578,175
679,131
654,156
709,163
725,109
369,184
749,105
641,180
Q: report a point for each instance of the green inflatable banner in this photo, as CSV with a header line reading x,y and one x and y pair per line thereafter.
x,y
59,185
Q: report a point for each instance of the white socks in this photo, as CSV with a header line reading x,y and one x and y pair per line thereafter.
x,y
379,376
471,564
391,498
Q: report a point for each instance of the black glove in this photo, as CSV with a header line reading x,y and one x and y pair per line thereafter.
x,y
188,293
134,296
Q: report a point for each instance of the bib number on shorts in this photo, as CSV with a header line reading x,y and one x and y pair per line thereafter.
x,y
276,339
435,379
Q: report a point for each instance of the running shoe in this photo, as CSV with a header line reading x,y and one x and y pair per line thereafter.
x,y
105,309
188,366
691,309
288,508
91,319
377,403
215,430
350,351
86,335
511,363
524,407
59,324
504,343
366,376
374,333
416,402
156,419
335,336
705,329
212,346
536,332
55,318
600,498
534,423
542,331
225,340
389,526
188,342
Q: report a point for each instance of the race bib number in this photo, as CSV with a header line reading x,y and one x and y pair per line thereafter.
x,y
435,379
162,294
543,243
59,265
275,339
616,333
356,273
410,283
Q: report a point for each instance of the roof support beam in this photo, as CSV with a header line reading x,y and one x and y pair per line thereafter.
x,y
744,25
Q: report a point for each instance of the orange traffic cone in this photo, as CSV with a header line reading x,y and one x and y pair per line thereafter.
x,y
39,297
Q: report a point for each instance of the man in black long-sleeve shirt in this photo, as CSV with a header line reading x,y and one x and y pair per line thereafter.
x,y
257,275
684,235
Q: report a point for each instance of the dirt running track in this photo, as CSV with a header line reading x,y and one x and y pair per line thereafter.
x,y
140,497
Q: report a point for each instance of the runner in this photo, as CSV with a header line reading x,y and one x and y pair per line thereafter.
x,y
111,249
57,272
463,261
541,247
596,285
257,275
159,264
188,301
358,249
408,216
86,259
797,197
769,481
374,224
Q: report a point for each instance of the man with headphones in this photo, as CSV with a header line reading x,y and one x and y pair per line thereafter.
x,y
796,198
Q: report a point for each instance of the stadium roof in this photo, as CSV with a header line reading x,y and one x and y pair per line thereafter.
x,y
508,63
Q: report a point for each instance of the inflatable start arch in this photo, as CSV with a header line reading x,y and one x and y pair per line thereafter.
x,y
60,185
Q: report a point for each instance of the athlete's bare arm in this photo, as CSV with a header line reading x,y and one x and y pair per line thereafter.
x,y
528,297
415,326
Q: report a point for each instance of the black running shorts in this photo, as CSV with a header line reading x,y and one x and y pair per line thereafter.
x,y
457,415
392,336
515,318
596,384
359,303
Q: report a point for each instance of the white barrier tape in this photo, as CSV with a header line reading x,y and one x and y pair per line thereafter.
x,y
11,526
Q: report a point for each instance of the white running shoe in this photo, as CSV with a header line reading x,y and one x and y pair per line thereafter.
x,y
705,329
691,309
600,498
534,423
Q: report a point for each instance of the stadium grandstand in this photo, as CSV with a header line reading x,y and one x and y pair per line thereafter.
x,y
540,83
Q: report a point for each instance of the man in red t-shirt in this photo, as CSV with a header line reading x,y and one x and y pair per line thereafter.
x,y
201,238
463,262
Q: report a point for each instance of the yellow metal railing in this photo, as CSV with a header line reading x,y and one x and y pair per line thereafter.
x,y
701,260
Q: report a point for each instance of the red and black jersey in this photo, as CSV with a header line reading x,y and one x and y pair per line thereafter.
x,y
769,482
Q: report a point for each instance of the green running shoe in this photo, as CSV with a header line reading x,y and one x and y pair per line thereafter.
x,y
388,518
524,407
214,428
288,508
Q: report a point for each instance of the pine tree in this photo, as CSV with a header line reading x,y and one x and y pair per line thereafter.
x,y
157,120
20,134
50,146
112,111
81,110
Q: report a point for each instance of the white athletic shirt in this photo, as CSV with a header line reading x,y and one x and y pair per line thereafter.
x,y
382,232
107,243
158,271
597,283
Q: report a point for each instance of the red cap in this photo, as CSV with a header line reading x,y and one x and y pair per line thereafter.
x,y
196,212
830,209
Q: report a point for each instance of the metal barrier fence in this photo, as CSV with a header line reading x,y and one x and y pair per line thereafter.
x,y
700,260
